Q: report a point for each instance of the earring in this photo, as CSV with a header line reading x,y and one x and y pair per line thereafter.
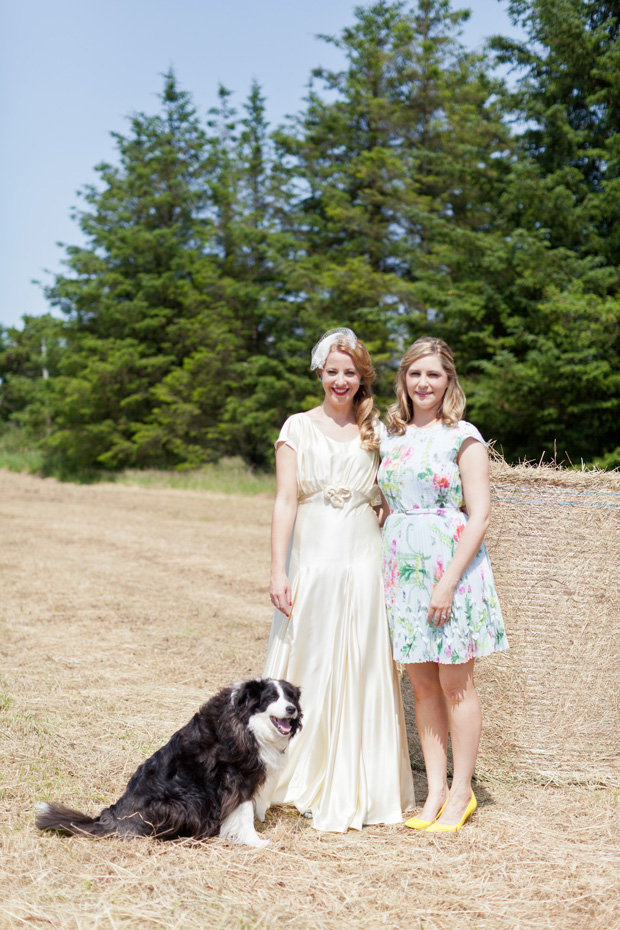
x,y
320,377
361,382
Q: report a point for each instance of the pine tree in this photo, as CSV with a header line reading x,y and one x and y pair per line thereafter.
x,y
401,174
552,376
253,254
568,99
29,359
139,299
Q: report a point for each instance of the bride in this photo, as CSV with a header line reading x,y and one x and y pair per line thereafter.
x,y
349,766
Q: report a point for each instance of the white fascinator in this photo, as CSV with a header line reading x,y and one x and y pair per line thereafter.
x,y
325,343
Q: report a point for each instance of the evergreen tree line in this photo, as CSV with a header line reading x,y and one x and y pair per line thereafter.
x,y
415,193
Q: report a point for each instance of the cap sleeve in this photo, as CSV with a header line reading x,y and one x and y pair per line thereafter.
x,y
290,433
469,431
379,429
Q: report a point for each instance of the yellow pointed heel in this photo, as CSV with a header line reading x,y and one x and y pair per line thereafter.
x,y
416,824
454,827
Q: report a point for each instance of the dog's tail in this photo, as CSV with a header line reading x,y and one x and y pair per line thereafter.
x,y
67,821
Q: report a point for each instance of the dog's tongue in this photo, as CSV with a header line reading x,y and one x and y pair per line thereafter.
x,y
283,724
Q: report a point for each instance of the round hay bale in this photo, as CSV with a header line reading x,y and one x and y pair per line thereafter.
x,y
551,703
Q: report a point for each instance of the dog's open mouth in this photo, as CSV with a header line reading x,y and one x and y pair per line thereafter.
x,y
282,725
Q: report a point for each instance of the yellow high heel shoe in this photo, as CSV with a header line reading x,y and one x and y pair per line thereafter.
x,y
453,827
416,824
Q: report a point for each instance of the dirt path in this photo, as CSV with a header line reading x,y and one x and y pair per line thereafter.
x,y
122,610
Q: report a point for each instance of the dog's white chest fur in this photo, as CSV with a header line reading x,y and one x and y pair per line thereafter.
x,y
272,745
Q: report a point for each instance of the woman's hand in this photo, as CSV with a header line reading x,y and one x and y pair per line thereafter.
x,y
280,593
381,508
440,607
474,468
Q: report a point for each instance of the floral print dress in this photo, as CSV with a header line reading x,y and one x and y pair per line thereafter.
x,y
421,481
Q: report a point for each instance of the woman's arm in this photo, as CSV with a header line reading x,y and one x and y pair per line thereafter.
x,y
282,520
474,468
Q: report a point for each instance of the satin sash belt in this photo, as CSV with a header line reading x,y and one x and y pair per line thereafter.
x,y
337,497
421,511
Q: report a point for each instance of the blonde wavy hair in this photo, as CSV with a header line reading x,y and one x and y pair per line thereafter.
x,y
400,413
363,403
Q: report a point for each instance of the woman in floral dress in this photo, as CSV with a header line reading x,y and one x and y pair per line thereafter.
x,y
441,601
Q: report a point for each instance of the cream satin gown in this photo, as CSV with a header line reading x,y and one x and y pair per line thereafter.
x,y
349,765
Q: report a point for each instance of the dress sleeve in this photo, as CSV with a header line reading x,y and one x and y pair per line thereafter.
x,y
289,433
469,431
379,429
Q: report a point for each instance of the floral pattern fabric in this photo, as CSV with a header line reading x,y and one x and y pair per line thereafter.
x,y
421,481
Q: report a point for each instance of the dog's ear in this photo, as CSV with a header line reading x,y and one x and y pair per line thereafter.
x,y
292,692
247,695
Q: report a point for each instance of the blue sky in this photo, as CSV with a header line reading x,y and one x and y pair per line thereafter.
x,y
72,70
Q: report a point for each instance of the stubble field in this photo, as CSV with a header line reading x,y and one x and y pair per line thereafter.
x,y
123,609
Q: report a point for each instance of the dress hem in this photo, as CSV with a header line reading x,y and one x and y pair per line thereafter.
x,y
438,661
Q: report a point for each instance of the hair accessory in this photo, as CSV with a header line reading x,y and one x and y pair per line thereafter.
x,y
325,343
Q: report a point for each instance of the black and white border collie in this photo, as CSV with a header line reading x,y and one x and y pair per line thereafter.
x,y
209,779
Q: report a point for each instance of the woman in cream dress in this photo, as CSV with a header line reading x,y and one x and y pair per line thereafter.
x,y
349,766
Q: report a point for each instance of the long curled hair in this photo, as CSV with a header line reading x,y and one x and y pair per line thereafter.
x,y
400,413
363,403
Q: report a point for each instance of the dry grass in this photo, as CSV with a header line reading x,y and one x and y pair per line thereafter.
x,y
122,609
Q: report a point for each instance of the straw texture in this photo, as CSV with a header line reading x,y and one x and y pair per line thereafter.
x,y
122,609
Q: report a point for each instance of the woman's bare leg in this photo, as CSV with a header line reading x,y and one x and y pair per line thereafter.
x,y
465,724
432,722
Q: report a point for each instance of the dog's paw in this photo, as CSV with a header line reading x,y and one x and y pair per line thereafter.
x,y
260,814
260,843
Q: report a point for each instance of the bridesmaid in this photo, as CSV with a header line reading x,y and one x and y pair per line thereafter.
x,y
349,766
441,599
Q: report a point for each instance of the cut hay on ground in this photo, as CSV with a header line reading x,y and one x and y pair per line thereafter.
x,y
124,608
